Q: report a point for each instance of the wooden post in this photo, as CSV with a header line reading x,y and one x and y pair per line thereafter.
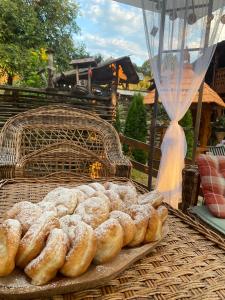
x,y
89,79
77,75
50,68
205,126
199,107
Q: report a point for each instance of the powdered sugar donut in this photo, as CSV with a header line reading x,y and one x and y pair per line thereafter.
x,y
82,250
64,199
69,221
127,224
140,214
10,234
109,240
93,211
153,198
86,189
97,186
33,241
163,213
25,212
44,267
154,228
115,202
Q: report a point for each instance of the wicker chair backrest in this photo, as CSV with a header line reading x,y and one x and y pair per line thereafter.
x,y
64,157
34,129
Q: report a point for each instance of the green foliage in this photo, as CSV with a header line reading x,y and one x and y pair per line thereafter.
x,y
187,124
136,126
117,123
220,123
26,26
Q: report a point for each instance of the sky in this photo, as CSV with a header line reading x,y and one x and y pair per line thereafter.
x,y
112,29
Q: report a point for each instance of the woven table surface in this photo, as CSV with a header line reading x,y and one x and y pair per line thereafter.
x,y
186,265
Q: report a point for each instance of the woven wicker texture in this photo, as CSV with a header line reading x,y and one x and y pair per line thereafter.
x,y
186,265
35,129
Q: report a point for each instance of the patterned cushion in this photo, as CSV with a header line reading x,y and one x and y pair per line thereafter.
x,y
212,172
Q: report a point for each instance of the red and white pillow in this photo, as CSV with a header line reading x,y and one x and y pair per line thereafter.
x,y
212,172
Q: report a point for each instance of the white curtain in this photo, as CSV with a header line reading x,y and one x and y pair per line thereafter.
x,y
181,37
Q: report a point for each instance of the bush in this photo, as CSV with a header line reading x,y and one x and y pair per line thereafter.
x,y
136,126
117,122
187,124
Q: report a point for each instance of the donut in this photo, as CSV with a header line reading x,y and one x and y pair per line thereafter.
x,y
109,240
163,213
140,215
127,224
33,241
25,212
82,250
153,198
68,221
115,202
64,199
86,189
10,234
45,266
97,186
93,211
154,228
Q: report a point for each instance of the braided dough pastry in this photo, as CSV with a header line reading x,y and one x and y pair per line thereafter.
x,y
64,200
109,241
82,249
127,224
44,267
86,189
140,215
153,198
93,211
34,240
163,213
10,234
97,186
115,202
127,192
25,212
154,229
68,221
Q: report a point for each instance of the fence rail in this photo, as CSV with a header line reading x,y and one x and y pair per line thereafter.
x,y
134,144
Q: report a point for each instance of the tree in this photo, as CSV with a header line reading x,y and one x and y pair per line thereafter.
x,y
29,25
136,125
117,122
146,68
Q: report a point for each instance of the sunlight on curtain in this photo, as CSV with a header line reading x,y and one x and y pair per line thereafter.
x,y
181,37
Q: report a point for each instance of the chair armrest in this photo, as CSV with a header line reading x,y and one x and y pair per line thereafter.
x,y
190,187
123,168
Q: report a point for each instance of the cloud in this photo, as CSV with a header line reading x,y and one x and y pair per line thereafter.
x,y
113,29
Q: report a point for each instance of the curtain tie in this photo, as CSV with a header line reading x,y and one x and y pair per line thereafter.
x,y
174,122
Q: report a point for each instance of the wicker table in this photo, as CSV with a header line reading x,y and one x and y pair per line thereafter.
x,y
186,265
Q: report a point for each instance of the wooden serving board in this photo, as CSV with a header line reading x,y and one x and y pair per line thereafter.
x,y
17,285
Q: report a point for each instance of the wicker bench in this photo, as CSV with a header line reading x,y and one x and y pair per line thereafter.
x,y
30,135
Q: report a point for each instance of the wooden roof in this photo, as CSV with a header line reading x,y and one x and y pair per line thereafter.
x,y
84,62
209,96
104,73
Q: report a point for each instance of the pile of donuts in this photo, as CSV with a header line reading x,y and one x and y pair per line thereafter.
x,y
73,227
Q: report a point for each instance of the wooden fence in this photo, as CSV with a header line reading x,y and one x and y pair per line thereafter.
x,y
134,144
14,100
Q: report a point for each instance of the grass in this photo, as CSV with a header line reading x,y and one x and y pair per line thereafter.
x,y
141,177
